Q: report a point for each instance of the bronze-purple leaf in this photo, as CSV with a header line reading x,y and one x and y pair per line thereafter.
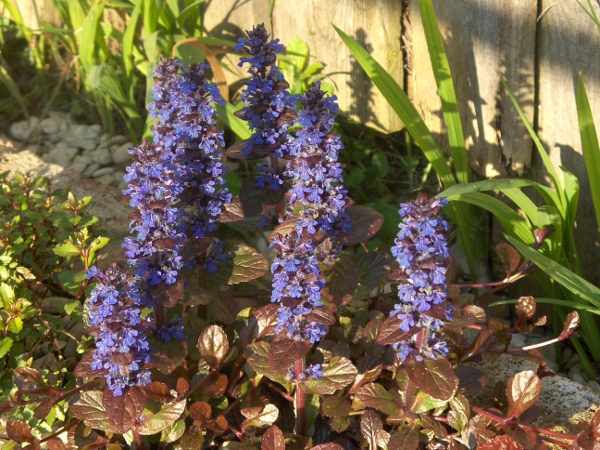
x,y
336,406
321,315
406,438
522,392
285,351
232,211
504,442
342,280
266,320
468,315
509,257
328,446
571,324
525,308
391,333
84,369
366,223
434,377
338,374
370,427
470,379
501,330
158,391
374,395
126,409
283,229
43,409
200,412
30,381
19,431
213,345
273,439
215,386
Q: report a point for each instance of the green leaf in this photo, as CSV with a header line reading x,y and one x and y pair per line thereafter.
x,y
15,325
13,89
511,221
553,301
338,374
213,345
563,276
173,432
243,264
163,419
7,294
425,402
5,346
235,124
589,144
538,144
443,79
485,186
66,250
403,107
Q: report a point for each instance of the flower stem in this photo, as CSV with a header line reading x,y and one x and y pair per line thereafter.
x,y
300,402
159,315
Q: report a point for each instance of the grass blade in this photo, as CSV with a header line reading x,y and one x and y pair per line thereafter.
x,y
406,111
511,221
589,144
541,150
6,79
563,276
445,85
238,126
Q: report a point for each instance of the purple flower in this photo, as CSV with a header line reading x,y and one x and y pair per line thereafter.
x,y
421,251
268,103
317,203
121,347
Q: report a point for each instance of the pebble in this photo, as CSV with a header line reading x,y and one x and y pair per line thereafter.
x,y
104,171
121,155
101,157
21,130
78,167
575,374
106,179
118,140
594,386
118,176
62,156
53,124
90,170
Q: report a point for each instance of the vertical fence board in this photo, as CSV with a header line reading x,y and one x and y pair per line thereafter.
x,y
483,38
569,43
376,27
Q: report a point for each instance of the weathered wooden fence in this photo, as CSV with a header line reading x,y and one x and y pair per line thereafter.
x,y
538,46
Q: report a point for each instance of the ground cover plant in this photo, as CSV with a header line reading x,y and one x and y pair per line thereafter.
x,y
201,341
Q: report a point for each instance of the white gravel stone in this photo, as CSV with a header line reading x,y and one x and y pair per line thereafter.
x,y
118,176
104,171
594,386
53,124
84,159
85,132
55,138
78,167
120,155
118,140
104,140
106,180
20,130
101,156
87,144
90,170
62,156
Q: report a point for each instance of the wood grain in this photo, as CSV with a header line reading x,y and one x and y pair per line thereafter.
x,y
569,43
375,24
484,39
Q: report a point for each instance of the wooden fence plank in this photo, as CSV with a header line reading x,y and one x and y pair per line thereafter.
x,y
376,25
569,43
484,38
